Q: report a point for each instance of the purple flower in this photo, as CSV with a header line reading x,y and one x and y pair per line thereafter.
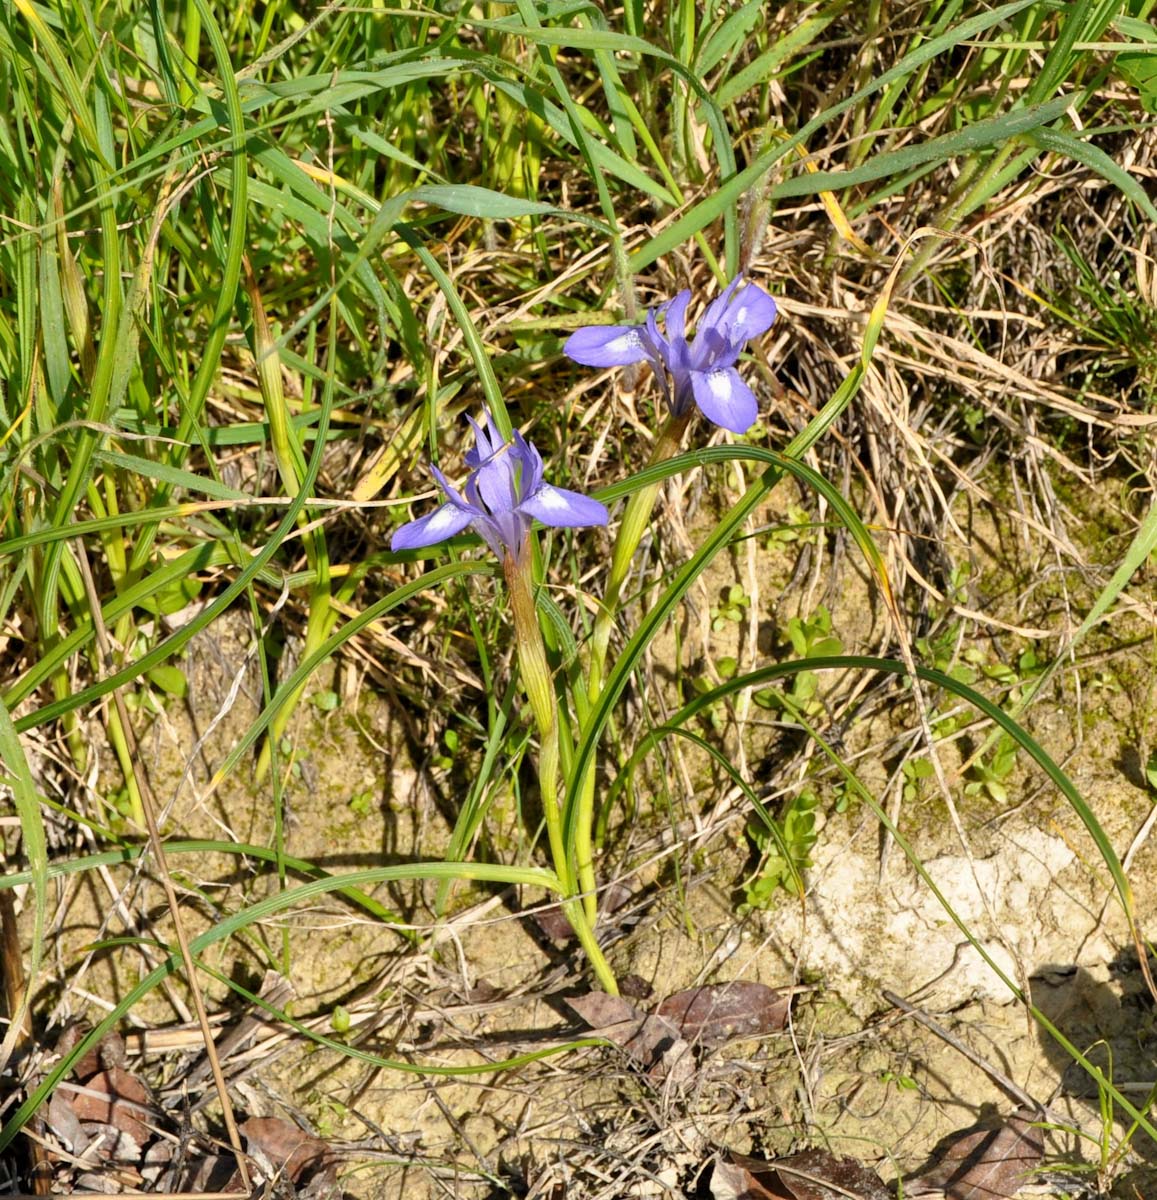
x,y
701,371
505,492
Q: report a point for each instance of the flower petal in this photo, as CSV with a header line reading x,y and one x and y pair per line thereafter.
x,y
442,523
452,493
557,506
676,352
504,533
674,314
656,342
608,345
711,349
529,462
487,440
496,483
751,313
715,312
730,322
725,399
682,395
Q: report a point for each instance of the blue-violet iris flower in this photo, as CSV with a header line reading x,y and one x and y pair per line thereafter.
x,y
700,372
504,493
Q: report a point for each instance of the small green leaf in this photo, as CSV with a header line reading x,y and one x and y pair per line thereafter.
x,y
172,598
326,701
1139,66
1151,770
797,636
171,680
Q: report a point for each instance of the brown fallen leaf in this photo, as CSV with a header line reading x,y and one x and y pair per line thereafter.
x,y
552,921
650,1040
718,1013
989,1161
180,1169
290,1151
116,1098
809,1175
598,1009
216,1173
109,1052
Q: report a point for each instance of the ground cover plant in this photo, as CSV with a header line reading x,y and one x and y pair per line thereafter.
x,y
738,769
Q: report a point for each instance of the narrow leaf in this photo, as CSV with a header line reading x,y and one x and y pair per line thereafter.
x,y
19,779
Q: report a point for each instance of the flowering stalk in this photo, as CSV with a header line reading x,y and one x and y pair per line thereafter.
x,y
699,373
536,679
636,518
504,494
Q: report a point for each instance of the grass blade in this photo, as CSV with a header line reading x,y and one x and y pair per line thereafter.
x,y
36,851
730,190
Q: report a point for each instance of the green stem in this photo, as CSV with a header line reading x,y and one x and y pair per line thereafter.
x,y
636,518
536,678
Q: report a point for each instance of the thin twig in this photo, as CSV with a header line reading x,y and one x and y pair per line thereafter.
x,y
999,1078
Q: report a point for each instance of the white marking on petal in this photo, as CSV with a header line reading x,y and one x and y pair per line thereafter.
x,y
625,341
720,384
445,518
741,315
551,500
